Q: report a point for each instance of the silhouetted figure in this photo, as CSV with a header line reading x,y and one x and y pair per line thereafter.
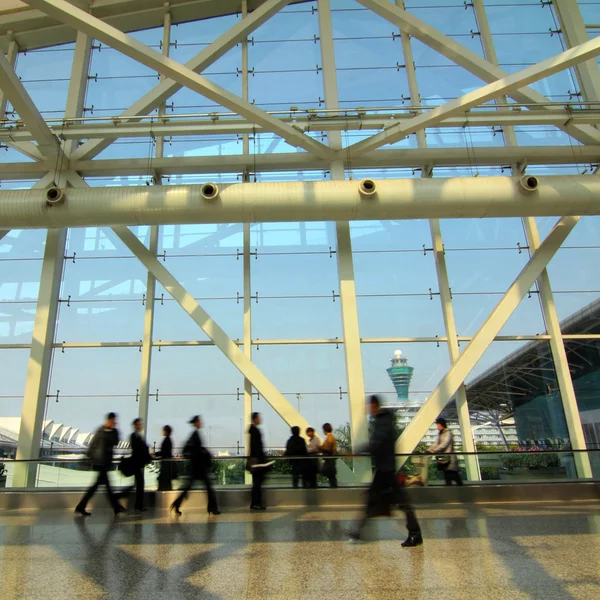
x,y
200,459
140,457
384,491
445,445
329,450
312,464
296,447
165,477
257,457
100,452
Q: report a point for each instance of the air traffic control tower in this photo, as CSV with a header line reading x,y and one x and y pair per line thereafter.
x,y
401,374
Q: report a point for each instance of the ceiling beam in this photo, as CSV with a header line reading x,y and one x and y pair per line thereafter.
x,y
473,158
129,46
498,88
167,88
21,101
467,59
165,126
34,29
443,198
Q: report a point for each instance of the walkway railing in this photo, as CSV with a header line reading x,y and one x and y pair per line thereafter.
x,y
500,467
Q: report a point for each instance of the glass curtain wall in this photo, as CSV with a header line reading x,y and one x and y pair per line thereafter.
x,y
297,334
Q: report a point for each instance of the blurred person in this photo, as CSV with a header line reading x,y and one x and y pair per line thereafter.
x,y
256,463
445,445
165,477
329,449
100,452
140,458
200,459
384,491
312,465
296,447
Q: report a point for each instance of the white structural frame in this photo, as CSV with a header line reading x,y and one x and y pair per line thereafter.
x,y
557,347
45,141
352,348
464,419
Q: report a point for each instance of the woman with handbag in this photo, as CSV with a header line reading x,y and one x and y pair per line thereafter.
x,y
329,450
444,448
200,459
166,475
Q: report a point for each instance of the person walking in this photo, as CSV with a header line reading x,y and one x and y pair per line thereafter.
x,y
140,458
444,445
384,491
329,450
200,459
165,476
296,447
100,452
256,462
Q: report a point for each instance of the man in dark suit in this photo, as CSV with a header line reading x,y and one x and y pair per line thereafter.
x,y
200,459
100,452
140,457
257,457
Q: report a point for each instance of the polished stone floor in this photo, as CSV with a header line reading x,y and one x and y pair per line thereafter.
x,y
513,551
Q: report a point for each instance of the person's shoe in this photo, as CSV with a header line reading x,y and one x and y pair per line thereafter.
x,y
257,507
79,510
175,509
412,540
354,537
214,512
119,509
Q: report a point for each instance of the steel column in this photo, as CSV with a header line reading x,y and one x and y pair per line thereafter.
x,y
462,408
40,358
246,417
146,368
11,57
352,347
559,355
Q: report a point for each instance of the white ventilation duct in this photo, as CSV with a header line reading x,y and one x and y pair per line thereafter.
x,y
305,201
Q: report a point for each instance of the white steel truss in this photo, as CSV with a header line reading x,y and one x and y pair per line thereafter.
x,y
467,59
338,200
459,371
503,86
79,19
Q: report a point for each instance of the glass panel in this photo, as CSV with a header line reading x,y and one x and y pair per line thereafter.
x,y
13,373
196,380
91,382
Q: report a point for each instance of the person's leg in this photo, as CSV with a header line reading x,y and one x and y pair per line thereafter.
x,y
183,495
447,477
257,479
88,494
333,482
414,530
139,489
211,506
458,478
103,479
373,495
